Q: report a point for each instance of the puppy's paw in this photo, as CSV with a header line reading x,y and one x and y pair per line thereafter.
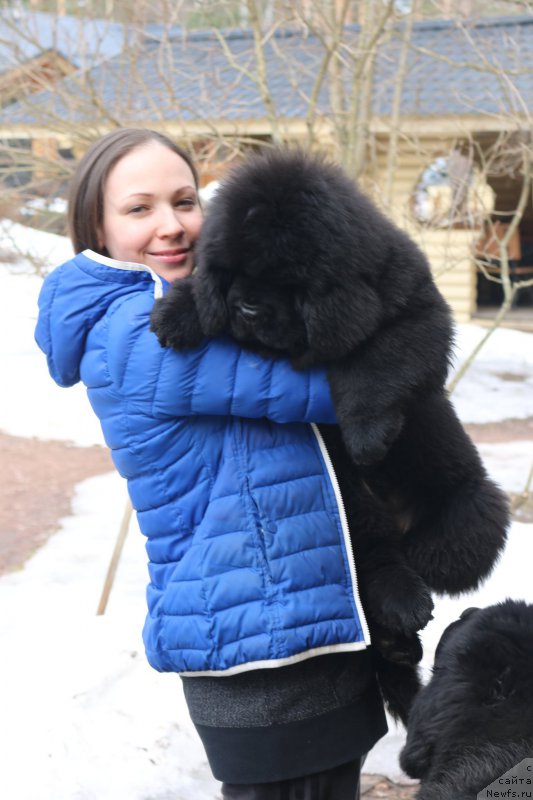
x,y
396,647
400,602
174,318
369,439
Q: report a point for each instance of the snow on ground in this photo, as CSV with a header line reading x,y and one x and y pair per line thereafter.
x,y
83,716
499,384
30,402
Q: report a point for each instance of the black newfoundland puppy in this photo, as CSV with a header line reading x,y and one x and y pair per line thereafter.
x,y
294,260
474,720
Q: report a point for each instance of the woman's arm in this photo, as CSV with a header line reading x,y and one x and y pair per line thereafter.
x,y
217,378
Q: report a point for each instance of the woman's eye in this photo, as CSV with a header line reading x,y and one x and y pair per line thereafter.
x,y
186,202
137,209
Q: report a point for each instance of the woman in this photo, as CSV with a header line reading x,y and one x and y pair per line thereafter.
x,y
253,594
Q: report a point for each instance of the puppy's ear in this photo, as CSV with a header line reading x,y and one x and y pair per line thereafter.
x,y
338,320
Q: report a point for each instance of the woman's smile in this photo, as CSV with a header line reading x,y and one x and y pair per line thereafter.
x,y
175,256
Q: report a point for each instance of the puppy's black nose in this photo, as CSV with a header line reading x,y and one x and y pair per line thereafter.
x,y
247,310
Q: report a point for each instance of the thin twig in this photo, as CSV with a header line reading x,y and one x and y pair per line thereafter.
x,y
115,558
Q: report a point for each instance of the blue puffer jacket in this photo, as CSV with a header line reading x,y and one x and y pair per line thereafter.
x,y
250,560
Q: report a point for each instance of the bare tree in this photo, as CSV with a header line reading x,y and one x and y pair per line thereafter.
x,y
219,94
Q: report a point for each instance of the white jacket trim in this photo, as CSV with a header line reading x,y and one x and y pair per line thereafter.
x,y
345,531
131,266
346,647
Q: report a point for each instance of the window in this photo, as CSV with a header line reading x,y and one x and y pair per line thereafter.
x,y
452,193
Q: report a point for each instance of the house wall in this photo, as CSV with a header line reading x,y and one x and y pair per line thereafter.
x,y
447,249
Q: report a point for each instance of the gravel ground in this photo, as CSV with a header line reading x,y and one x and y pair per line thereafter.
x,y
374,786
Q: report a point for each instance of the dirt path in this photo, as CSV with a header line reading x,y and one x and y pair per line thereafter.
x,y
38,480
510,430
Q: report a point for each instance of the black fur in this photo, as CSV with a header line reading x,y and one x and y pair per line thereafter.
x,y
396,600
474,719
294,260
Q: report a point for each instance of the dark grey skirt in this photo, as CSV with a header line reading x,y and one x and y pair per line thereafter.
x,y
278,724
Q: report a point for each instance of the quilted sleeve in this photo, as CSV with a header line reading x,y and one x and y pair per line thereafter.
x,y
218,378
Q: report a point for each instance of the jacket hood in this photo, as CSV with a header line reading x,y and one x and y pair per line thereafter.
x,y
74,297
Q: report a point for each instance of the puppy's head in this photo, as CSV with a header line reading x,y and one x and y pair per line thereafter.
x,y
294,253
487,657
474,719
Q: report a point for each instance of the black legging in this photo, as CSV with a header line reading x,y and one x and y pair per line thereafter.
x,y
340,783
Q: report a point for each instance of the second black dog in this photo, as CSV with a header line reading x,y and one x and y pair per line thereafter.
x,y
474,720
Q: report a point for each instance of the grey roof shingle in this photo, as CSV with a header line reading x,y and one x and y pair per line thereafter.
x,y
453,69
191,77
24,34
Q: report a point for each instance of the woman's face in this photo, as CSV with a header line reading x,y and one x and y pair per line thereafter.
x,y
151,211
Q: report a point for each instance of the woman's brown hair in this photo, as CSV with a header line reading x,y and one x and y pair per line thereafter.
x,y
86,193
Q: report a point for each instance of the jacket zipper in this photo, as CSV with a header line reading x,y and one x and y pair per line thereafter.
x,y
345,529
